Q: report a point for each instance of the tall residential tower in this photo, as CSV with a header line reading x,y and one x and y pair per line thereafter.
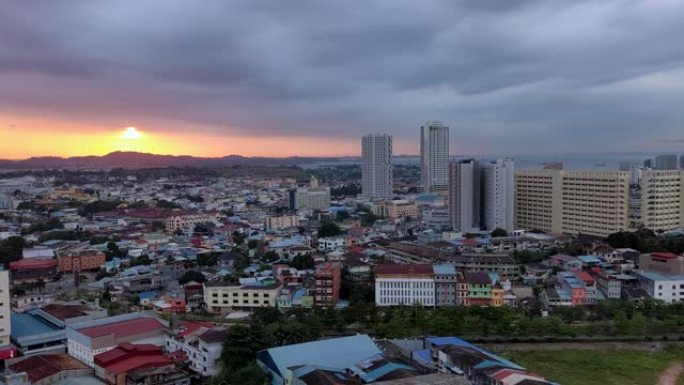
x,y
498,195
464,195
434,156
376,167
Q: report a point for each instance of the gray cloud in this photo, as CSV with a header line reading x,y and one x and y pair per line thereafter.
x,y
527,76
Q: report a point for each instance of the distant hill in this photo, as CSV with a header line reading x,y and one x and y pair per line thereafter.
x,y
120,159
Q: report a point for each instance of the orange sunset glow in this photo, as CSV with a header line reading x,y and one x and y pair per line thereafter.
x,y
63,139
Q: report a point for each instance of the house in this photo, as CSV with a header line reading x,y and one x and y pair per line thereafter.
x,y
223,297
453,355
46,369
666,288
479,288
81,261
116,365
42,330
202,344
280,363
87,339
327,283
32,270
404,285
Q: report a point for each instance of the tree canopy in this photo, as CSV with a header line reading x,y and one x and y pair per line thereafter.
x,y
329,229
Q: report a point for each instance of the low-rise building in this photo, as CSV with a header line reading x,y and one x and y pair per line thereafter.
x,y
502,264
327,283
609,285
398,208
666,288
88,339
332,243
222,297
202,343
116,366
188,220
665,263
22,303
445,284
82,260
281,222
404,285
47,369
32,270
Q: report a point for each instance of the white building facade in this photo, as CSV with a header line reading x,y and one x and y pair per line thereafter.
x,y
5,325
404,285
434,156
464,195
498,195
376,166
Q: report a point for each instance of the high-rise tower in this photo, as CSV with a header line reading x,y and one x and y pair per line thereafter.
x,y
376,167
434,155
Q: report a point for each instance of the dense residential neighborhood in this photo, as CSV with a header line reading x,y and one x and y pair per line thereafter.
x,y
161,277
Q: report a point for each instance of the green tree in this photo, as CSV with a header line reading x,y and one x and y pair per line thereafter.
x,y
248,375
270,256
342,215
329,229
638,325
303,262
499,232
241,345
157,226
11,250
192,275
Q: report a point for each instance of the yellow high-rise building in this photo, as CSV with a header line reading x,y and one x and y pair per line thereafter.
x,y
573,202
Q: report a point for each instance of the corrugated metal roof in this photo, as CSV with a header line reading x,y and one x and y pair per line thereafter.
x,y
336,353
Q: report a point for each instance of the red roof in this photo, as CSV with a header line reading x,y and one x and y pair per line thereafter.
x,y
41,366
189,327
128,357
124,328
33,264
414,269
501,374
660,256
584,276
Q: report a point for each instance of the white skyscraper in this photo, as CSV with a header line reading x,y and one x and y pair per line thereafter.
x,y
464,195
434,155
376,169
5,325
498,195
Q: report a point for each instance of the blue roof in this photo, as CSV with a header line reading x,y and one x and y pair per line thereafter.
x,y
444,269
441,341
590,259
147,294
299,293
659,277
564,294
384,370
494,277
336,353
25,324
304,370
424,355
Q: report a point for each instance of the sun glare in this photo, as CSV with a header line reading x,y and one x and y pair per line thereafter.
x,y
131,133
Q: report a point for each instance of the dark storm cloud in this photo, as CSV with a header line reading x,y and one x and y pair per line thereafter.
x,y
509,77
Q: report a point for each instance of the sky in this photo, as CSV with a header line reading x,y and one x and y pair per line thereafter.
x,y
310,77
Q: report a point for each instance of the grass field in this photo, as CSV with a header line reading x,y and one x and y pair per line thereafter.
x,y
599,367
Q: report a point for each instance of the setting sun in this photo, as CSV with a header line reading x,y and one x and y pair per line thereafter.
x,y
132,133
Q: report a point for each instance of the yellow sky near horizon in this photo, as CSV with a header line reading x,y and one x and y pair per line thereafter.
x,y
63,139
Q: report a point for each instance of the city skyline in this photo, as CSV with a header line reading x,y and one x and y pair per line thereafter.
x,y
531,77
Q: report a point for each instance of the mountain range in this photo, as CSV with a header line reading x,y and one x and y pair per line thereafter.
x,y
121,159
